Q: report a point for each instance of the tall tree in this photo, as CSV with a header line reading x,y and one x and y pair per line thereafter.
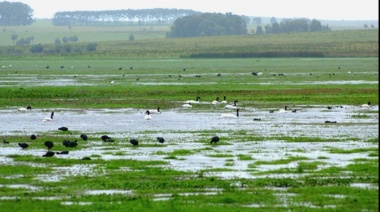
x,y
208,24
15,14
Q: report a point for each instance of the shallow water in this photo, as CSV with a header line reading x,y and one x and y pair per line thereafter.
x,y
181,129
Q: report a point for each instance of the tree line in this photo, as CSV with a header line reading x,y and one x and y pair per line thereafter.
x,y
291,26
119,17
15,14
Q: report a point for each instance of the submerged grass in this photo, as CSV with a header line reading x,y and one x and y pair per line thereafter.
x,y
306,184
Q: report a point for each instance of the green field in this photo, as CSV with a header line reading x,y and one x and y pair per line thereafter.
x,y
151,72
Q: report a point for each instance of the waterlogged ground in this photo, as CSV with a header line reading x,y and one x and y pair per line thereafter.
x,y
182,128
191,129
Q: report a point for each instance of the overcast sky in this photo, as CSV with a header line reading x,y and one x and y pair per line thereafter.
x,y
318,9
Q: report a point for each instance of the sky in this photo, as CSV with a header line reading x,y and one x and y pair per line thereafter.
x,y
311,9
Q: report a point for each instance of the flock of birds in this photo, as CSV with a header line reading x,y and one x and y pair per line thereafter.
x,y
71,144
105,138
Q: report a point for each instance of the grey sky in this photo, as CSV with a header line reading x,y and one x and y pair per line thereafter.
x,y
318,9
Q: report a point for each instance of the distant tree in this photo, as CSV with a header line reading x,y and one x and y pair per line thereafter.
x,y
65,39
73,38
91,47
131,37
57,41
365,26
37,48
315,26
259,30
15,14
372,26
14,38
257,20
208,24
273,20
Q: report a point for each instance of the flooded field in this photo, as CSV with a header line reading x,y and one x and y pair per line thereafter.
x,y
309,156
183,129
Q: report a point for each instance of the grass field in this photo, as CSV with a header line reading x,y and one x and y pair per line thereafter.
x,y
291,161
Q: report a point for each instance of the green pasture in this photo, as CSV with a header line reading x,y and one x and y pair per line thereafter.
x,y
165,82
150,42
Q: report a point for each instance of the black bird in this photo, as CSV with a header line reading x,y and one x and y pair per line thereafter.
x,y
63,152
49,144
160,140
48,154
134,142
86,158
84,137
106,138
66,143
330,122
33,137
63,128
23,145
73,143
329,107
256,119
5,142
215,139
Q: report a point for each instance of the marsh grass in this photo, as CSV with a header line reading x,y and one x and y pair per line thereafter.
x,y
361,116
342,151
282,161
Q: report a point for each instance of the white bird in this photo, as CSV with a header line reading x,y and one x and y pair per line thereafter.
x,y
49,118
230,115
147,115
155,111
196,101
216,101
283,110
187,105
234,106
23,109
368,105
224,100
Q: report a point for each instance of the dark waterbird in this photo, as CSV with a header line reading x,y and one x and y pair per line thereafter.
x,y
215,139
23,145
49,144
66,143
49,154
63,152
330,122
106,138
160,140
86,158
33,137
63,128
84,137
73,143
134,142
5,142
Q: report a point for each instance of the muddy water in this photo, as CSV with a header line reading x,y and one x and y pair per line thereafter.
x,y
181,127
